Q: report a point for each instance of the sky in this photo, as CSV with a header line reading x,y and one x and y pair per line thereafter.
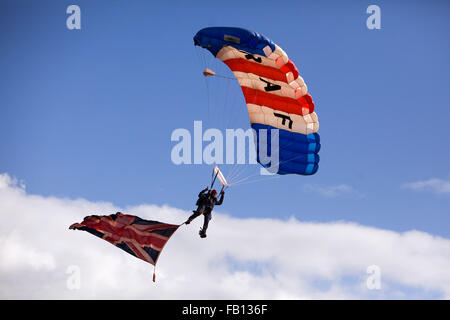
x,y
86,118
242,258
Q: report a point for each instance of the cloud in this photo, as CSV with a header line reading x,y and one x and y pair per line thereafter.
x,y
330,191
435,185
240,259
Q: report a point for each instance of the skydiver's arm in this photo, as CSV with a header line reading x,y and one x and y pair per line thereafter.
x,y
202,192
218,203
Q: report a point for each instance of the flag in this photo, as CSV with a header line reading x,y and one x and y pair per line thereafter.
x,y
141,238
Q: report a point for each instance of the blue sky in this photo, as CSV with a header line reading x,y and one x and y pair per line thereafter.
x,y
89,113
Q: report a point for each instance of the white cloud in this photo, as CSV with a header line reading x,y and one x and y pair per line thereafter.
x,y
240,259
330,191
435,185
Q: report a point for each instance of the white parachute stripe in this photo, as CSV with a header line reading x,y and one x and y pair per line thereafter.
x,y
279,53
300,124
299,83
229,52
254,81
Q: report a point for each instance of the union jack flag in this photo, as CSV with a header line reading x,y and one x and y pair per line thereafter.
x,y
141,238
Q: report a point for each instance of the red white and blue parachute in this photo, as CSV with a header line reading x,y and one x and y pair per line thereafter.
x,y
276,95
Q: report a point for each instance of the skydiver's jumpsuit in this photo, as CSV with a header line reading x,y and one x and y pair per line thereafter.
x,y
206,203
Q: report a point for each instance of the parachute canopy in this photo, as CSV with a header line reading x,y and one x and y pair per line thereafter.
x,y
275,93
141,238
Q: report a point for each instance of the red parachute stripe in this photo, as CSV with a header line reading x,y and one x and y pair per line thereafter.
x,y
275,102
290,67
243,65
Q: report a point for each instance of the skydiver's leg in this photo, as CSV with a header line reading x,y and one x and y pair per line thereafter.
x,y
196,213
192,217
205,224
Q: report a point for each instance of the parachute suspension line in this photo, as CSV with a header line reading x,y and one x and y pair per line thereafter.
x,y
239,171
231,173
214,177
200,56
235,170
258,180
248,177
241,176
240,109
224,77
238,178
208,94
214,93
218,95
244,171
209,100
224,187
231,109
238,181
221,97
224,114
225,104
230,118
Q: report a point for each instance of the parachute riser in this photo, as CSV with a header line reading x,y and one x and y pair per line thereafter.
x,y
213,180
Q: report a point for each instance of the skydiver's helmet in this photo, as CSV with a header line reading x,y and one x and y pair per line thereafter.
x,y
214,192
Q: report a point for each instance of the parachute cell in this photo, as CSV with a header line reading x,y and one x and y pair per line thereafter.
x,y
275,93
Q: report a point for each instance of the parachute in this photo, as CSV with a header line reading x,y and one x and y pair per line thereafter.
x,y
276,95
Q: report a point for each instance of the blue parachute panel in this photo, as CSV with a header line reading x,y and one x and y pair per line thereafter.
x,y
215,38
297,153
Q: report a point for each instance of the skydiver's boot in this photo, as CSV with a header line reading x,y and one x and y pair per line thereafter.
x,y
202,233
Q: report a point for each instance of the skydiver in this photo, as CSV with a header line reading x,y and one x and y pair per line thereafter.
x,y
205,205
